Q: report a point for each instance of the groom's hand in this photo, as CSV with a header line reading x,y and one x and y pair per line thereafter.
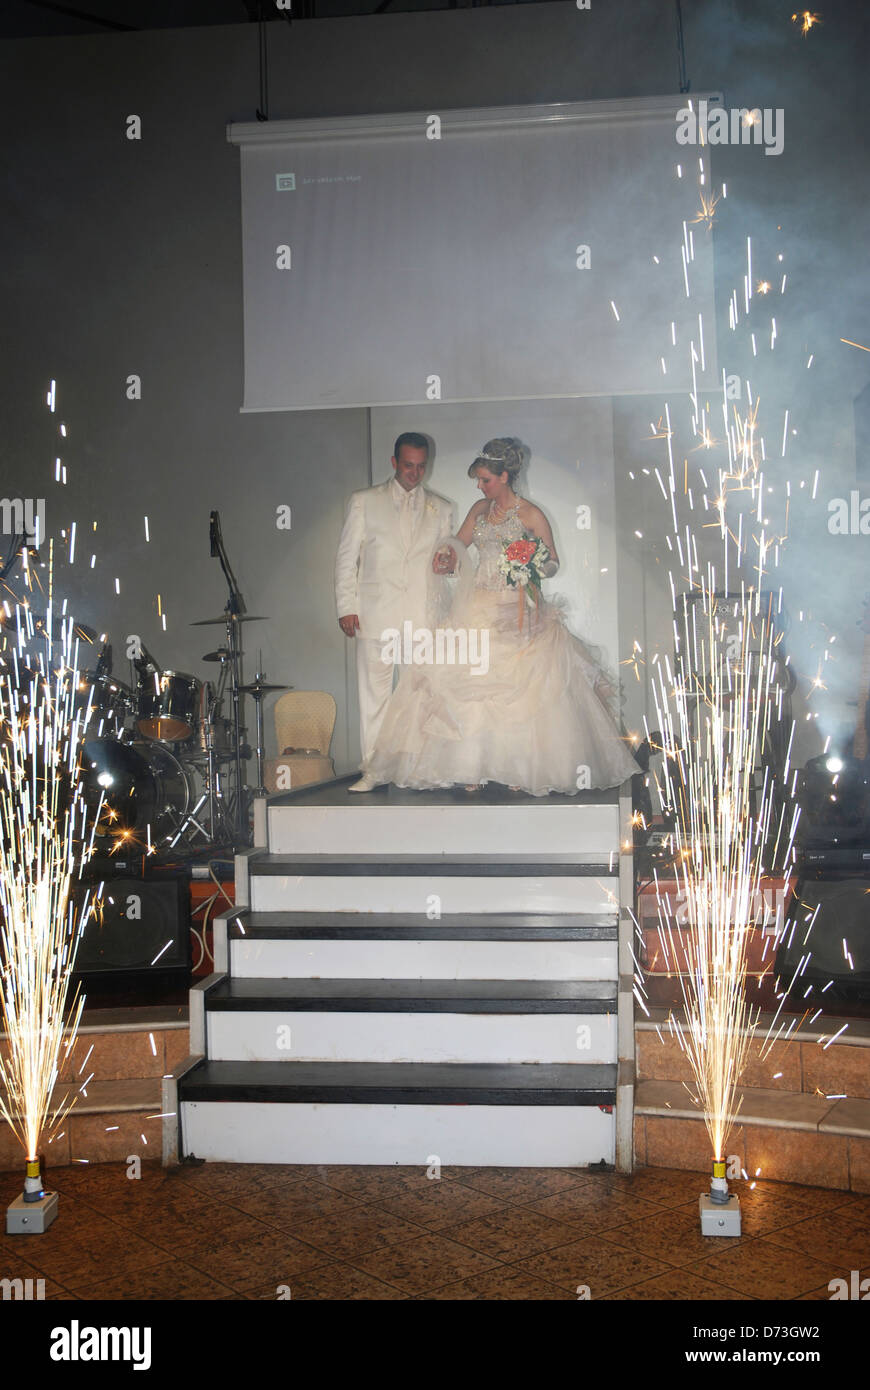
x,y
349,624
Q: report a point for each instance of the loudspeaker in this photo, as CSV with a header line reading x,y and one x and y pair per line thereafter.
x,y
140,931
842,901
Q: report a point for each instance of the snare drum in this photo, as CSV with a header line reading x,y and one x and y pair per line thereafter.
x,y
168,706
107,702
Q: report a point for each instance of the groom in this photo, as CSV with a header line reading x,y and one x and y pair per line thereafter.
x,y
382,573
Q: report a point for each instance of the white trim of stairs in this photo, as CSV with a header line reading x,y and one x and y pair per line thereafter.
x,y
242,861
170,1110
197,1012
261,822
220,939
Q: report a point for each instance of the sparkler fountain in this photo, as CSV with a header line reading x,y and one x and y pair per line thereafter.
x,y
720,708
43,845
715,712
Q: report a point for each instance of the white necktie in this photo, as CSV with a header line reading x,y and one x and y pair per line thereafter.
x,y
408,515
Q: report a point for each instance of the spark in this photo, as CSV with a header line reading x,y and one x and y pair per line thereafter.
x,y
707,440
807,20
659,430
849,343
707,211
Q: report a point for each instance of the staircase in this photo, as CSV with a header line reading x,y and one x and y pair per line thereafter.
x,y
417,976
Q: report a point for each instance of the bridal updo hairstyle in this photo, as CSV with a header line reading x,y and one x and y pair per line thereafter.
x,y
500,456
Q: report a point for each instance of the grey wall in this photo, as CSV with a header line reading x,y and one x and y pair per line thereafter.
x,y
124,257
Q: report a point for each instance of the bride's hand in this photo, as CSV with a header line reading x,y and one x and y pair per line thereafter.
x,y
444,561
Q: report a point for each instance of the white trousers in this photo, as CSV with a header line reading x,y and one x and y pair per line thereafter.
x,y
375,682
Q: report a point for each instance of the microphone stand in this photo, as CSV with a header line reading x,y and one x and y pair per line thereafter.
x,y
235,607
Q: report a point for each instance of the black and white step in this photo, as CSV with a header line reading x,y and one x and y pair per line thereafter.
x,y
353,1020
432,883
461,946
493,821
405,1113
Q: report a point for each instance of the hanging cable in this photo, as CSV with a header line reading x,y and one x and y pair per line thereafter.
x,y
685,84
263,58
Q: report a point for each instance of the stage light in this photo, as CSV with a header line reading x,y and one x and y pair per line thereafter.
x,y
834,765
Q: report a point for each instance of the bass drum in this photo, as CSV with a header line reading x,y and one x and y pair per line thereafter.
x,y
142,785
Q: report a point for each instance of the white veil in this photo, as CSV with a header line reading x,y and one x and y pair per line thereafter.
x,y
447,594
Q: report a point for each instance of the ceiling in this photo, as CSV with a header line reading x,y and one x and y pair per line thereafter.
x,y
53,18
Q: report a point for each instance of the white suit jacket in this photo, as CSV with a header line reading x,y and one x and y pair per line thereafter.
x,y
377,576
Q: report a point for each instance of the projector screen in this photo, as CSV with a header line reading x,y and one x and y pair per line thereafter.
x,y
499,254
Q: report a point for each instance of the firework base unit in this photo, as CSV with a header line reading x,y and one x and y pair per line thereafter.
x,y
719,1218
31,1218
466,1002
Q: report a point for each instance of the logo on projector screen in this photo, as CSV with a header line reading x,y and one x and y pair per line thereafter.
x,y
285,183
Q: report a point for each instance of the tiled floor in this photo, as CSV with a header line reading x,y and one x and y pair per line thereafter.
x,y
221,1231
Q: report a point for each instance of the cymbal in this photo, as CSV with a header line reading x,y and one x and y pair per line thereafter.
x,y
220,655
232,617
259,687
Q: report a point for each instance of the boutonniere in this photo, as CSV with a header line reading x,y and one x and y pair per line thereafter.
x,y
430,506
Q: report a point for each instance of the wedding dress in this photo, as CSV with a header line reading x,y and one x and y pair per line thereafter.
x,y
522,711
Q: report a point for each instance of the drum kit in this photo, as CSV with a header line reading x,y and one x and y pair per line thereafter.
x,y
162,765
159,757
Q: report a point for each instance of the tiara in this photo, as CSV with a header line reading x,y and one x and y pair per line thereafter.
x,y
492,458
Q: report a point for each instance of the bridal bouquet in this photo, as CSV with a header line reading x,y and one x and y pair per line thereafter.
x,y
522,563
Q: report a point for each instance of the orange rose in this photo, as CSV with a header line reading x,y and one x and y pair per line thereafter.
x,y
521,551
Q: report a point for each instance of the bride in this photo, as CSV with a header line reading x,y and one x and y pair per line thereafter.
x,y
533,714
